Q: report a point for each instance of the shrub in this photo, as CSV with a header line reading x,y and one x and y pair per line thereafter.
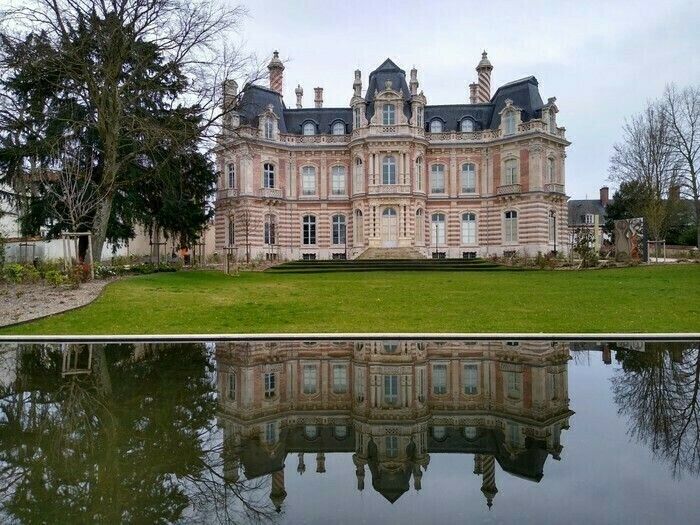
x,y
13,273
105,271
80,273
54,278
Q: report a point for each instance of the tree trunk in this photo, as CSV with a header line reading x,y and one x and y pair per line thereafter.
x,y
99,227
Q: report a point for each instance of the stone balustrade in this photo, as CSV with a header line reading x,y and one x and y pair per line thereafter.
x,y
271,193
227,193
392,189
509,189
554,188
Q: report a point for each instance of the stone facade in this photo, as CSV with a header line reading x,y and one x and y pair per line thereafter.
x,y
463,180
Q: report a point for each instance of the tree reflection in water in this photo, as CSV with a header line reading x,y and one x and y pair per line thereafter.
x,y
117,433
657,390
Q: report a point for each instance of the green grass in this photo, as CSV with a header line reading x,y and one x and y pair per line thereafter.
x,y
642,299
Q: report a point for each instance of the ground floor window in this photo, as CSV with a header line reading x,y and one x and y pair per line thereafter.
x,y
511,226
439,255
439,379
309,229
468,228
231,232
270,385
438,228
270,256
338,256
340,379
391,389
308,256
468,255
339,229
270,230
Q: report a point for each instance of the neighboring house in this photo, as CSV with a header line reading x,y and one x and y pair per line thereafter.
x,y
9,225
590,214
390,171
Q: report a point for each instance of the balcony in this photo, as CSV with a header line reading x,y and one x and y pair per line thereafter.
x,y
227,193
271,193
554,188
390,189
509,189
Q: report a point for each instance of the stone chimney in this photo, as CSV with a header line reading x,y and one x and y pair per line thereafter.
x,y
674,192
483,91
413,85
276,69
357,85
472,92
604,195
230,88
299,93
318,98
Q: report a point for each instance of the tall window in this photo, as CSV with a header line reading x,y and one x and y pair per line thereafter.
x,y
231,387
419,225
310,379
438,228
340,379
270,384
468,228
358,182
419,173
309,128
436,126
510,123
269,129
511,171
357,118
471,380
439,379
338,180
389,170
511,226
468,178
358,227
271,433
339,229
550,170
437,178
231,171
270,230
466,125
391,390
389,115
514,385
338,128
309,229
391,443
308,180
552,122
231,231
268,175
420,117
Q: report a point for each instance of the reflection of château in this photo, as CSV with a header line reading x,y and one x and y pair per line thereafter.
x,y
392,403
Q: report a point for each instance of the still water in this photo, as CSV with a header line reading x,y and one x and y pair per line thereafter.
x,y
362,431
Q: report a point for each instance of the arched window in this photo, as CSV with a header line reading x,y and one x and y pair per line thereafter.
x,y
268,175
231,231
419,173
231,171
468,228
309,128
468,178
338,128
438,228
389,115
358,227
511,226
551,176
437,178
466,125
339,229
358,181
308,180
270,230
420,226
436,126
309,229
389,170
269,129
338,180
511,172
510,123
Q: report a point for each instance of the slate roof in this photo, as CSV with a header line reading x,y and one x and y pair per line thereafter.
x,y
578,208
524,93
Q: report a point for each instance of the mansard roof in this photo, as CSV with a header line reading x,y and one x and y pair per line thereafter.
x,y
387,71
525,95
255,100
322,117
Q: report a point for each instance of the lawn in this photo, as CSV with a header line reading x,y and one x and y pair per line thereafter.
x,y
642,299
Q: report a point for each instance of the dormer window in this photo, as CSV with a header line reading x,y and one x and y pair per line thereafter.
x,y
309,128
510,123
269,129
389,115
436,126
467,125
338,128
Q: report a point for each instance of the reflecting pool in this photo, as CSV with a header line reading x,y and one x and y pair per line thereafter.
x,y
350,431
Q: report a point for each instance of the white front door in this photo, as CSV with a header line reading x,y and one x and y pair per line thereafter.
x,y
390,228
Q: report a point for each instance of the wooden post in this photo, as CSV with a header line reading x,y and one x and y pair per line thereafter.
x,y
91,261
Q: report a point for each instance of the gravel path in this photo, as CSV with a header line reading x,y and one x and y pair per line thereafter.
x,y
24,302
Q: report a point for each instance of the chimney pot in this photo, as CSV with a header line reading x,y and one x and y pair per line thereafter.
x,y
472,92
318,99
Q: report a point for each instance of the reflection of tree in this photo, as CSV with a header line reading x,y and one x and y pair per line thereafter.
x,y
132,440
659,391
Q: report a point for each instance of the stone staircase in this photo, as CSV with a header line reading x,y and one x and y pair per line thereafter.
x,y
390,254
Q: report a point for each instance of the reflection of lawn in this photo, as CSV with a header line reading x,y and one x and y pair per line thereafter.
x,y
643,299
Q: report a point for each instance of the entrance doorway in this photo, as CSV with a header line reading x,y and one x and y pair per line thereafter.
x,y
390,228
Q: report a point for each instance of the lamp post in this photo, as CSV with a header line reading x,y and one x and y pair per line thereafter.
x,y
553,216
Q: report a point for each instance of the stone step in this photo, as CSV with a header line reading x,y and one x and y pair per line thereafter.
x,y
391,253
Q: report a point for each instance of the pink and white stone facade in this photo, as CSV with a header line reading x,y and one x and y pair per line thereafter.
x,y
477,179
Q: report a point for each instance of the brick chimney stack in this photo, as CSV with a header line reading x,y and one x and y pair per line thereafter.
x,y
484,81
674,192
604,195
299,93
276,69
318,99
472,92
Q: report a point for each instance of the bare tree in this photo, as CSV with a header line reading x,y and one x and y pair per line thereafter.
x,y
683,115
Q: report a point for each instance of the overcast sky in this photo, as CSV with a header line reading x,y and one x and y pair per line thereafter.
x,y
602,60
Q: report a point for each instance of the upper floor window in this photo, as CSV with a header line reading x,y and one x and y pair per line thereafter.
x,y
510,123
391,389
511,226
309,229
340,379
270,385
466,125
419,173
436,126
468,177
391,444
271,433
511,172
231,172
338,180
471,379
437,178
389,170
268,175
389,115
468,228
339,229
357,118
588,218
550,170
269,129
310,373
338,128
308,180
309,128
439,379
514,385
